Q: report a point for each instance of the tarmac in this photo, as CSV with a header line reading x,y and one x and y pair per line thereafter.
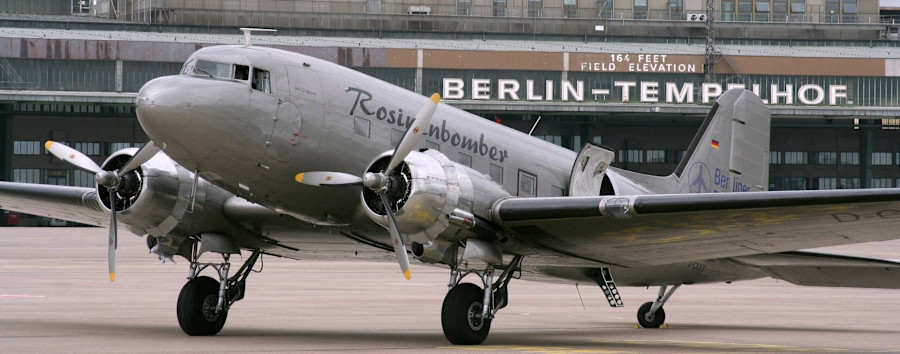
x,y
55,297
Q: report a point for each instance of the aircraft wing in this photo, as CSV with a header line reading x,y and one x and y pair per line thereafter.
x,y
62,202
649,230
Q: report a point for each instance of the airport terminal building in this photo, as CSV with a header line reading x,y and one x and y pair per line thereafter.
x,y
639,85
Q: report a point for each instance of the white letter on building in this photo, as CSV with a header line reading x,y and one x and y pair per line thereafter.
x,y
685,95
481,89
453,89
508,86
649,91
788,94
819,97
709,90
626,88
577,92
548,90
835,92
529,91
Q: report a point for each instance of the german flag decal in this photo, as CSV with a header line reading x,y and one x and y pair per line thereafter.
x,y
715,144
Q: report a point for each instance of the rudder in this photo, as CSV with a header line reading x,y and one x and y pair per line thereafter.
x,y
730,152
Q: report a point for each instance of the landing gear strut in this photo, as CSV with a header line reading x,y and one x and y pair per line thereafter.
x,y
468,309
204,302
651,314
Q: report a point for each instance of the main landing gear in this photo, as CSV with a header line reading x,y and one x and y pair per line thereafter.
x,y
651,314
204,302
468,309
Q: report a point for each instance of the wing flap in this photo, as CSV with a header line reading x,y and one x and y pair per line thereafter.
x,y
665,229
61,202
820,269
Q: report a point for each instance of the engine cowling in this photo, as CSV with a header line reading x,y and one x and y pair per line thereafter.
x,y
155,199
434,199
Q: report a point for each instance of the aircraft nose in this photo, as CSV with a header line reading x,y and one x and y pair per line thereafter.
x,y
162,104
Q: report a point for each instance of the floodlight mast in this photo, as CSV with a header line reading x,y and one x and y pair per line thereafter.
x,y
248,30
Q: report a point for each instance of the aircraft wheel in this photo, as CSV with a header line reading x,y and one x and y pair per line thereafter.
x,y
650,321
197,314
461,315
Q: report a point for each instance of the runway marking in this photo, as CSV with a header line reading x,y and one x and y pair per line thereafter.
x,y
677,344
721,345
533,349
6,296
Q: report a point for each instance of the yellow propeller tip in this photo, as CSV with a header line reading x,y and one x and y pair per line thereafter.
x,y
407,274
299,178
435,98
112,277
49,143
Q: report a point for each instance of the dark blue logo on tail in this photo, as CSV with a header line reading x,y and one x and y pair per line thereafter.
x,y
699,178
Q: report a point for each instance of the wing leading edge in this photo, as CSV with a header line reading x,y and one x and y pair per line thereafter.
x,y
62,202
663,229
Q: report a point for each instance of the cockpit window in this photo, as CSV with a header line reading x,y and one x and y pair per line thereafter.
x,y
241,72
188,67
213,69
261,80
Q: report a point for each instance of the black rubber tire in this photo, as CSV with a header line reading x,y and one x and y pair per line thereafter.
x,y
455,315
657,319
197,306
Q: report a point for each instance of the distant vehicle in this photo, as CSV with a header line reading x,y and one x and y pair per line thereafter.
x,y
45,221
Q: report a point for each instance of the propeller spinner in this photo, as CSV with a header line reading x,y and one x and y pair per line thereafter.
x,y
379,182
112,180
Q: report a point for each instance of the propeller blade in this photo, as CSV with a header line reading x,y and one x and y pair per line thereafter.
x,y
326,178
143,155
414,133
72,156
113,238
399,246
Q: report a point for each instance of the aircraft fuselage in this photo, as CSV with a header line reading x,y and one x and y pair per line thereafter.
x,y
262,115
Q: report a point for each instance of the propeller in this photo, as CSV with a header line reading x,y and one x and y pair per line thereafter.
x,y
109,179
379,182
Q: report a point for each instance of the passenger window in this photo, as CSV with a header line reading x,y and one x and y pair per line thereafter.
x,y
557,191
527,184
241,72
496,173
361,127
261,80
465,160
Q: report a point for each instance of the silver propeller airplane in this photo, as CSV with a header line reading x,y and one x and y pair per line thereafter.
x,y
277,153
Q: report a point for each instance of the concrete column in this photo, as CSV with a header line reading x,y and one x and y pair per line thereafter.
x,y
6,144
119,74
866,133
419,61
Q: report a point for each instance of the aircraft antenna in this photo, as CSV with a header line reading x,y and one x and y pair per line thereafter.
x,y
538,120
248,30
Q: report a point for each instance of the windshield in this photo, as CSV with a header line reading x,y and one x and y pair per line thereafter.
x,y
213,69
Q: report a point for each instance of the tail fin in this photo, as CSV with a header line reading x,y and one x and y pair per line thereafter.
x,y
730,153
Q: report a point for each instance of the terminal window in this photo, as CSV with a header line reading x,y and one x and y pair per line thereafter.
x,y
796,158
881,182
27,148
27,175
826,158
775,158
882,159
90,149
849,158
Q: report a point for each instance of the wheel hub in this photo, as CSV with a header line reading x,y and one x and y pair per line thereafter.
x,y
209,308
474,316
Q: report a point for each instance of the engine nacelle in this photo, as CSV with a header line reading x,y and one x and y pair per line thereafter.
x,y
155,199
435,199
